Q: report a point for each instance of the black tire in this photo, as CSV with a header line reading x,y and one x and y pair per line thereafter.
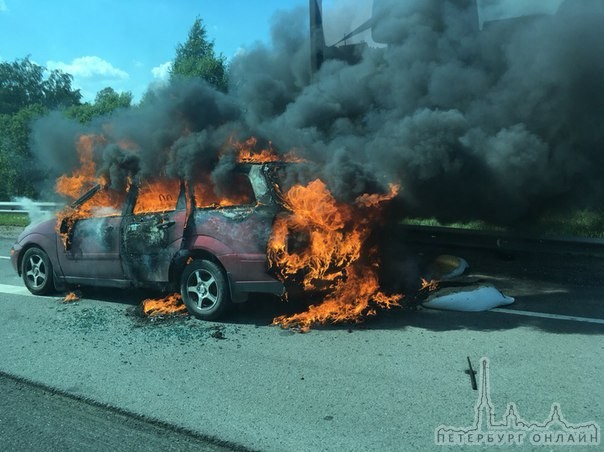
x,y
204,290
36,270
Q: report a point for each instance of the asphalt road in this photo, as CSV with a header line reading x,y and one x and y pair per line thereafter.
x,y
33,418
384,385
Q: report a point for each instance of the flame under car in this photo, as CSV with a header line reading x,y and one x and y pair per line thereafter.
x,y
167,234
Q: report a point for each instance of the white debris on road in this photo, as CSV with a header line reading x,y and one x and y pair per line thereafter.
x,y
474,299
446,267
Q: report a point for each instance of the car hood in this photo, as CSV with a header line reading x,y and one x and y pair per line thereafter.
x,y
47,227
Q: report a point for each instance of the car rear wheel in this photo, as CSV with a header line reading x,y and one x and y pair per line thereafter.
x,y
37,272
204,290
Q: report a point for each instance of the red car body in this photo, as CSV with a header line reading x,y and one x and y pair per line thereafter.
x,y
153,249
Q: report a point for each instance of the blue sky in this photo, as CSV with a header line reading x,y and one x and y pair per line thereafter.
x,y
118,43
126,44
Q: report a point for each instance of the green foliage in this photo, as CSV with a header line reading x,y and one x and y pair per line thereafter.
x,y
107,100
15,156
580,223
23,83
8,172
472,225
196,58
27,91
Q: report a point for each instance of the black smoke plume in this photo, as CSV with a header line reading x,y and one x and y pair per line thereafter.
x,y
500,123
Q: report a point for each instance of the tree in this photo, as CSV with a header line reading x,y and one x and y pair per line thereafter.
x,y
107,100
23,83
58,92
27,91
16,170
196,58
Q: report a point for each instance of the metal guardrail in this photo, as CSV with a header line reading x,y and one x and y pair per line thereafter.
x,y
502,241
18,207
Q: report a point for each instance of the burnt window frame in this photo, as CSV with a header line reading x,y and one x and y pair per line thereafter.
x,y
132,198
90,194
241,169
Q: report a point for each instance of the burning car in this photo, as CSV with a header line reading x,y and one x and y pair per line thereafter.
x,y
251,220
167,234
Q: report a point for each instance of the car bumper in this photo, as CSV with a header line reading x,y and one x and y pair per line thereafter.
x,y
15,252
241,289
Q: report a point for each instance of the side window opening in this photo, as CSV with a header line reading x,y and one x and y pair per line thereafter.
x,y
104,202
98,203
158,196
237,191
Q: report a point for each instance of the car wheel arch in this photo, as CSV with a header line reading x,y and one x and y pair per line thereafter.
x,y
181,260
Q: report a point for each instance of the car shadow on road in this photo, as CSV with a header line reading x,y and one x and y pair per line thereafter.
x,y
133,297
437,320
260,310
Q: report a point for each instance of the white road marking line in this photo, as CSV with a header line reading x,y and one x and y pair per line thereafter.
x,y
549,316
22,290
19,290
4,257
14,290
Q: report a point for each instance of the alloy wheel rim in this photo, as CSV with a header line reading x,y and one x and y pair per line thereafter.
x,y
36,271
202,288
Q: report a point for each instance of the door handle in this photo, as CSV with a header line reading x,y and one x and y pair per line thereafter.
x,y
166,224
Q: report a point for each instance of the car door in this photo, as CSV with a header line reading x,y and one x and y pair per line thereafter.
x,y
89,246
240,218
152,231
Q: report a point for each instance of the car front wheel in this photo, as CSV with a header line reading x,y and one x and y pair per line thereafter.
x,y
204,290
37,272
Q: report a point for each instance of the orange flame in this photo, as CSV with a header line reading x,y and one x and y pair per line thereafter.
x,y
206,196
84,177
327,255
430,286
315,214
247,152
351,301
70,298
157,196
106,202
374,200
169,305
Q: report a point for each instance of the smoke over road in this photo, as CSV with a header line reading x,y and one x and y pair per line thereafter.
x,y
497,124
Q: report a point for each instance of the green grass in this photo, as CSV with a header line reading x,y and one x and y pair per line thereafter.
x,y
472,225
582,223
14,219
